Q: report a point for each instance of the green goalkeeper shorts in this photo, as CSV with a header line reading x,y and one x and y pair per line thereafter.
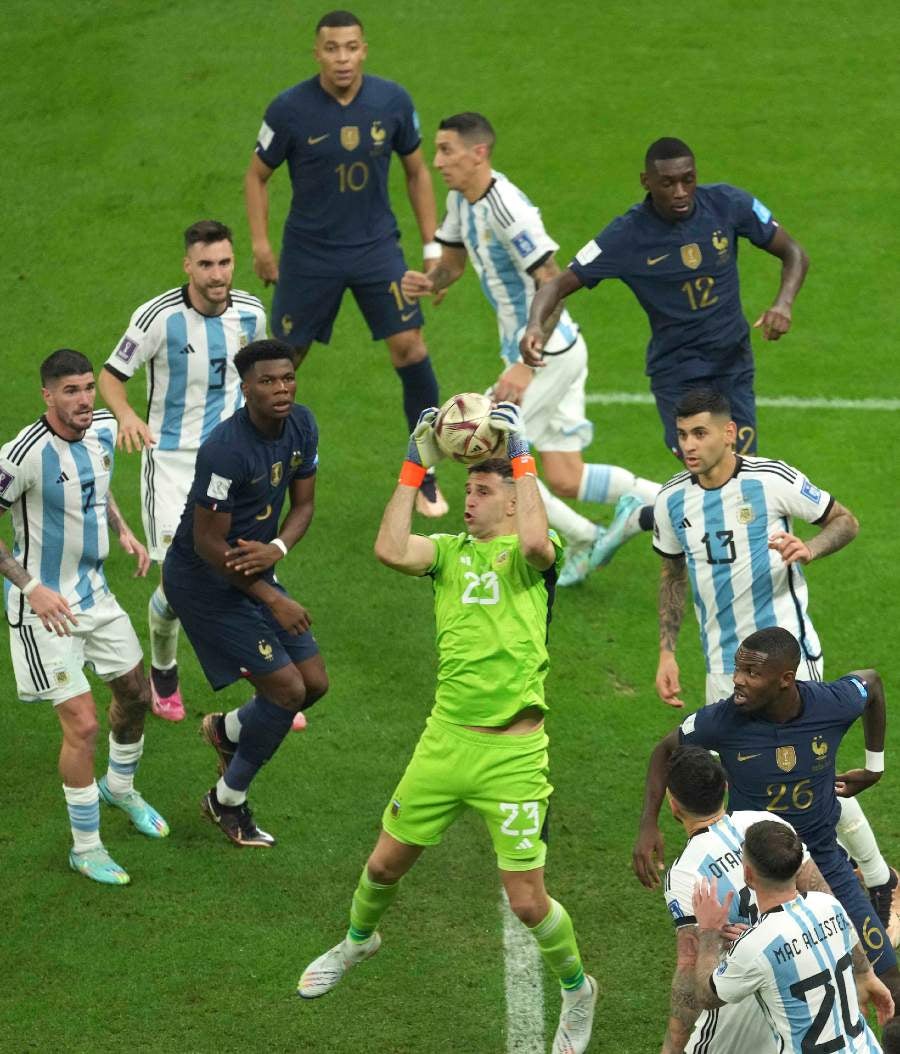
x,y
502,777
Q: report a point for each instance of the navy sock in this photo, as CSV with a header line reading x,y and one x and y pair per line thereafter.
x,y
263,726
645,518
420,389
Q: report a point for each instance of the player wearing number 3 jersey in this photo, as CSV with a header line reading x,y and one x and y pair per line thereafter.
x,y
484,745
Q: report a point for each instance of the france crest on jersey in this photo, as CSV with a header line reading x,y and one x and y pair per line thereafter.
x,y
739,585
57,491
505,239
192,384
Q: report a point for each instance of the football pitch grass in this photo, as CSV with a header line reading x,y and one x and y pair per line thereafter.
x,y
123,124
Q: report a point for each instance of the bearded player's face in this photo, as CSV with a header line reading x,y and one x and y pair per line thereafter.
x,y
210,269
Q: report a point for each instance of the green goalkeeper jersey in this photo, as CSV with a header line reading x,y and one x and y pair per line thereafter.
x,y
492,611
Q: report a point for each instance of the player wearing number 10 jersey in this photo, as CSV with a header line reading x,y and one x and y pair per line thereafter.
x,y
484,745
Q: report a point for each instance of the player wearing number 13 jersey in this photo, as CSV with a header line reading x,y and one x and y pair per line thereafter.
x,y
484,746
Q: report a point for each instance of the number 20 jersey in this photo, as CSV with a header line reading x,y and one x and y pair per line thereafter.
x,y
739,585
492,612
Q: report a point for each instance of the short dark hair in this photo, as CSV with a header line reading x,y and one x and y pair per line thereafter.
x,y
499,466
470,126
338,20
261,351
206,232
697,780
64,362
777,643
774,849
890,1036
702,401
666,149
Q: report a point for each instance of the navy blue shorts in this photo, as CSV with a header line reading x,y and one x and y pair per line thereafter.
x,y
305,305
232,634
736,387
832,861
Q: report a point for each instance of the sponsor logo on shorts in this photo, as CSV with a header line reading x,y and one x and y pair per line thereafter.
x,y
811,492
5,479
62,677
218,487
265,649
126,349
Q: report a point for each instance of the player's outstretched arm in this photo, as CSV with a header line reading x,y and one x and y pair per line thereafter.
x,y
794,264
531,515
134,433
127,538
396,545
874,721
545,303
256,195
672,592
648,855
684,1008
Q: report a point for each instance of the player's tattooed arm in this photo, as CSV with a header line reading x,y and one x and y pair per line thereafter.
x,y
839,529
811,879
672,591
11,569
127,538
545,302
51,607
684,1008
708,951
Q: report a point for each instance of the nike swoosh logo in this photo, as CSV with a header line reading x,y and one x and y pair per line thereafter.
x,y
746,757
407,317
656,259
258,478
312,140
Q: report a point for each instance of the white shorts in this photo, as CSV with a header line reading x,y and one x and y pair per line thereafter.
x,y
166,478
51,667
737,1028
721,685
553,405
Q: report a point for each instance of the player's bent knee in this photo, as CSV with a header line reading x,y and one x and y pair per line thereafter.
x,y
407,348
315,689
563,485
528,907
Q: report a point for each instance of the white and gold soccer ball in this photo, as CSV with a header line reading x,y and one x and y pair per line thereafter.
x,y
464,431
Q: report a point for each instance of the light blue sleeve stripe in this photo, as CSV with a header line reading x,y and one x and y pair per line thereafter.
x,y
53,518
758,543
90,536
218,364
714,529
675,505
176,393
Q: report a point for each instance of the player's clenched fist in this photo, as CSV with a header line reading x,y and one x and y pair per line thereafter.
x,y
290,615
532,345
415,284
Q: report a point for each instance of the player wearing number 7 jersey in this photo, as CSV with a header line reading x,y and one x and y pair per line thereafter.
x,y
484,745
801,962
186,339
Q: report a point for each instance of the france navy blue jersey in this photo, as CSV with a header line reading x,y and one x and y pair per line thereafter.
x,y
338,157
241,471
684,273
788,768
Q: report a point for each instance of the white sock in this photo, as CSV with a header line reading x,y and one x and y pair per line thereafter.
x,y
83,804
232,726
607,483
164,627
856,836
227,795
123,763
575,528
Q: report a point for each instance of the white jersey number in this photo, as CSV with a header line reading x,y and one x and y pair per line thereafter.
x,y
512,810
486,585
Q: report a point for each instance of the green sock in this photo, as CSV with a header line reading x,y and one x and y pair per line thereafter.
x,y
370,902
555,937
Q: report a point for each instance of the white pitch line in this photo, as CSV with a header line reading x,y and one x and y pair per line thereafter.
x,y
790,402
524,985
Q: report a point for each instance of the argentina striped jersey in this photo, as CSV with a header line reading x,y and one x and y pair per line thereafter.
x,y
192,384
57,492
504,236
739,584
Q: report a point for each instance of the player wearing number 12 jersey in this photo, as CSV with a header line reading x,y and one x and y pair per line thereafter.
x,y
484,745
